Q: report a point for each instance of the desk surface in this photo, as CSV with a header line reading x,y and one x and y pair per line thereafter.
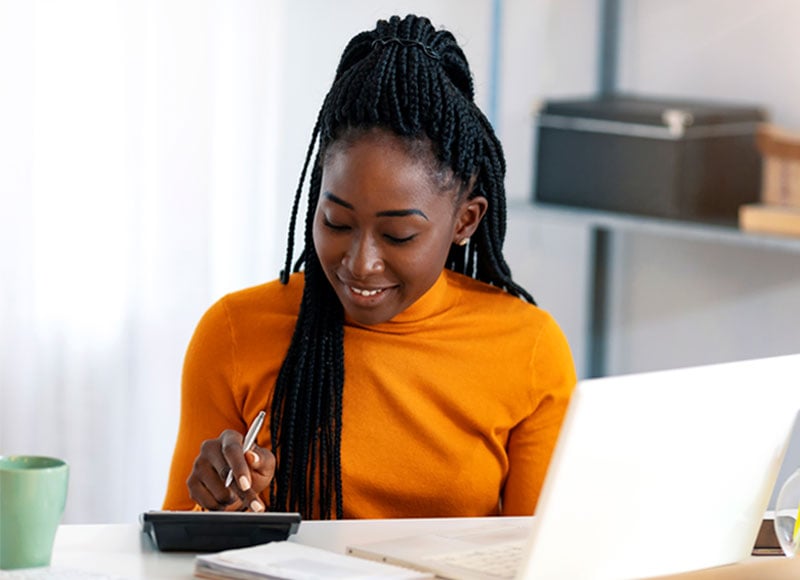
x,y
121,551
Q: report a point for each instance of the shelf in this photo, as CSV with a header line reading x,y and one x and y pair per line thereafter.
x,y
602,226
687,230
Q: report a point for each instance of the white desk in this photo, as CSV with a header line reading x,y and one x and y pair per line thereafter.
x,y
120,550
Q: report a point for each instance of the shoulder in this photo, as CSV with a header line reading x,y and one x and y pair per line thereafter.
x,y
271,296
500,314
256,306
484,300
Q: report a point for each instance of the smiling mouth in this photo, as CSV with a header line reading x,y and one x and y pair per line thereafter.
x,y
363,292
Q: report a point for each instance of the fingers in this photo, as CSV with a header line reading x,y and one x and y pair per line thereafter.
x,y
206,498
262,463
251,474
233,456
261,466
262,469
206,484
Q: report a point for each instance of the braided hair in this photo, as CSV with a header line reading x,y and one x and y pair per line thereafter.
x,y
408,78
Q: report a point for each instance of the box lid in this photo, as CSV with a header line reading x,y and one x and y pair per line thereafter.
x,y
661,118
651,111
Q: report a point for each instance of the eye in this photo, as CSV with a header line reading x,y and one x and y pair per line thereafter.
x,y
397,240
333,226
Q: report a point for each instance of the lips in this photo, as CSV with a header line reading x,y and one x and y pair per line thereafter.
x,y
366,292
371,303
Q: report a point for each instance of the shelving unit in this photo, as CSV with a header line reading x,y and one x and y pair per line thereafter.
x,y
695,231
603,225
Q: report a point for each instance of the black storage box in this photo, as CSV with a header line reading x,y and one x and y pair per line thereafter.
x,y
657,157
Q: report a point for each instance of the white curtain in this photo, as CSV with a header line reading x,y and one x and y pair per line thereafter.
x,y
137,185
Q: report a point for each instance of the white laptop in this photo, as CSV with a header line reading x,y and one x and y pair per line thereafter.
x,y
653,474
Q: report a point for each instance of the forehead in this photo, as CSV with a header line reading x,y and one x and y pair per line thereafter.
x,y
398,157
419,148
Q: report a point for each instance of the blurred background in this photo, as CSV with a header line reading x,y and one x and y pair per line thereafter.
x,y
150,149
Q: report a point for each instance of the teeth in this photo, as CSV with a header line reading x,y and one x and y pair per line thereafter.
x,y
366,292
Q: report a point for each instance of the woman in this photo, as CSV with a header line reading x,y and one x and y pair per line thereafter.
x,y
403,371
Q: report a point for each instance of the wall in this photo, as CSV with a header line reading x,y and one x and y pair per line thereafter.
x,y
680,302
548,50
722,49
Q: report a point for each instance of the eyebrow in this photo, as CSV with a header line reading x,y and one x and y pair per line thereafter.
x,y
386,213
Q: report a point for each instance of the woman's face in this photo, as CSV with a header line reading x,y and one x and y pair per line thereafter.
x,y
384,224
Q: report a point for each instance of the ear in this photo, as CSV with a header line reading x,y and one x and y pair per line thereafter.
x,y
469,217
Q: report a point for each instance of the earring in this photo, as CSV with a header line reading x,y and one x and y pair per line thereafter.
x,y
463,242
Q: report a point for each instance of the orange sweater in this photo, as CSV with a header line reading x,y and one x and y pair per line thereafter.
x,y
452,408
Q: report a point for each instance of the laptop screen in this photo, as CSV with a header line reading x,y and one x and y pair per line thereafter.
x,y
664,472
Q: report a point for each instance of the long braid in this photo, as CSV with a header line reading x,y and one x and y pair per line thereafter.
x,y
413,80
296,205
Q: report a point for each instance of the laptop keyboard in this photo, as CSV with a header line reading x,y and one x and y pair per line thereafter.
x,y
499,560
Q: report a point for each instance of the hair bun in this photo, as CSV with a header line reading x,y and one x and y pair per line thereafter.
x,y
412,33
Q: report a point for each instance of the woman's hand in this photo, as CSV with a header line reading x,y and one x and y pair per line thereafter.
x,y
252,473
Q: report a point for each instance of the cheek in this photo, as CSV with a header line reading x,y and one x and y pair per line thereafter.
x,y
425,264
323,241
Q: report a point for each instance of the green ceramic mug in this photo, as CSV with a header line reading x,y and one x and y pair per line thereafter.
x,y
33,491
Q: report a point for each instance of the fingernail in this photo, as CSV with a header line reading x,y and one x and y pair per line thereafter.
x,y
244,483
253,457
256,506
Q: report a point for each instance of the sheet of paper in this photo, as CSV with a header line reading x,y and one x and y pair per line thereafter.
x,y
292,561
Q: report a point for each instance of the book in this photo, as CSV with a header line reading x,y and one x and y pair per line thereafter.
x,y
284,560
770,219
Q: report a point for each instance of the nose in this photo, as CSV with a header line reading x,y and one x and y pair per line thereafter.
x,y
363,258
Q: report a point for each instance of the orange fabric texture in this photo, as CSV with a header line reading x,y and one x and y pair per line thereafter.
x,y
452,408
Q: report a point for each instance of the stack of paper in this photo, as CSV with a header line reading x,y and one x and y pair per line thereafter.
x,y
292,561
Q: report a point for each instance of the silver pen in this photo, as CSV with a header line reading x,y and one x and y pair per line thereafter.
x,y
249,441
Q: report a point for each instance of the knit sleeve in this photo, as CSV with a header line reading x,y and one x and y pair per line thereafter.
x,y
208,400
531,442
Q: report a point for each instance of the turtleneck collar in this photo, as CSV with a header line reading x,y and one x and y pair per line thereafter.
x,y
435,301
